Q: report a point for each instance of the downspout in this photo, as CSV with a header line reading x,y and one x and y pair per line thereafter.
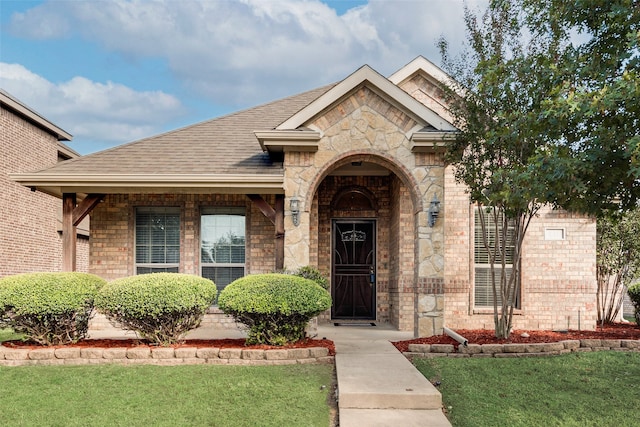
x,y
462,340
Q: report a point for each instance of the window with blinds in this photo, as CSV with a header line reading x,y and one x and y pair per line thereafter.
x,y
222,245
157,239
483,287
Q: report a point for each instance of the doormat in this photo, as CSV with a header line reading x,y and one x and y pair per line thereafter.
x,y
354,324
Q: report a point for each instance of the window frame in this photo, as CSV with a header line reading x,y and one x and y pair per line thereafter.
x,y
223,210
158,267
486,267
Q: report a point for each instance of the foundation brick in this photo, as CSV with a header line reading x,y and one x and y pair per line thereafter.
x,y
138,353
276,354
420,348
186,352
16,354
42,354
298,353
115,353
318,352
251,354
67,353
442,348
230,353
209,353
163,353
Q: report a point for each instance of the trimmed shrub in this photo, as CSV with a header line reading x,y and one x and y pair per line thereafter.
x,y
308,272
161,307
49,308
314,274
634,294
275,307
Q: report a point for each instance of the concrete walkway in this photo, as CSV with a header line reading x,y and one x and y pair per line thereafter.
x,y
377,385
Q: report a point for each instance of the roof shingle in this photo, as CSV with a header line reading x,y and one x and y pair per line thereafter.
x,y
224,145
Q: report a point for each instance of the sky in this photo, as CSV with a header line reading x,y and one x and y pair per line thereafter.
x,y
115,71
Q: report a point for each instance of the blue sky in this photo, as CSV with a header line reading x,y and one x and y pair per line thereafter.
x,y
114,71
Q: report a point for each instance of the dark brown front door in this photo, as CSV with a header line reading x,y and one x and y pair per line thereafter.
x,y
353,284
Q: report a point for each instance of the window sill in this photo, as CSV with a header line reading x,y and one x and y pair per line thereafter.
x,y
485,311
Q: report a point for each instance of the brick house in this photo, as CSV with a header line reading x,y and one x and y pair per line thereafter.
x,y
348,177
31,221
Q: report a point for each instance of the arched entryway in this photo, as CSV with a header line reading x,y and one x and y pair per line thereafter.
x,y
362,234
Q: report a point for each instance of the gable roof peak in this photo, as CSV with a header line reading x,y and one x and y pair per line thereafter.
x,y
367,75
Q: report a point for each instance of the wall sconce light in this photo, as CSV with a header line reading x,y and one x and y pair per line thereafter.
x,y
294,204
434,210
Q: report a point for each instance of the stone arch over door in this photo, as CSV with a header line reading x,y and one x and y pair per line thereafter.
x,y
393,204
372,157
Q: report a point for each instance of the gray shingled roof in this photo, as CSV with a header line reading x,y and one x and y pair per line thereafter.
x,y
224,145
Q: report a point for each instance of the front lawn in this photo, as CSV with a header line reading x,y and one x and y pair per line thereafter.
x,y
195,395
8,335
579,389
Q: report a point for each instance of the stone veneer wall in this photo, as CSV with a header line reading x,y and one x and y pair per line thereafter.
x,y
365,127
558,276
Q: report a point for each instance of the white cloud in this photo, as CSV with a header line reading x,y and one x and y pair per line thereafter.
x,y
102,112
248,51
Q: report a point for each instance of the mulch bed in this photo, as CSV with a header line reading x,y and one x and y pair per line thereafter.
x,y
618,331
220,343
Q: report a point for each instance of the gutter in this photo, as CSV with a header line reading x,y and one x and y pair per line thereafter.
x,y
462,340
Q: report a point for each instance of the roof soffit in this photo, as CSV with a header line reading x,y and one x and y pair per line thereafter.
x,y
367,76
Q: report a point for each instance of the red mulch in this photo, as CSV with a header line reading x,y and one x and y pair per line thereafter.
x,y
220,343
618,331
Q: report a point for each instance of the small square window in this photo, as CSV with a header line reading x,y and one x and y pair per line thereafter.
x,y
554,234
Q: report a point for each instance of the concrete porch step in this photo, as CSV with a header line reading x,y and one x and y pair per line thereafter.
x,y
383,381
393,417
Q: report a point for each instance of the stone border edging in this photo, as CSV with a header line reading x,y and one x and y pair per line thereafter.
x,y
521,350
166,356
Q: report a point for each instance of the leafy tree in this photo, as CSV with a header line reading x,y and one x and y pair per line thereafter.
x,y
593,108
618,261
545,117
501,153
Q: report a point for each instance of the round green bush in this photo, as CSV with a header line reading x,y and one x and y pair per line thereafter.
x,y
275,307
634,294
311,273
161,307
49,308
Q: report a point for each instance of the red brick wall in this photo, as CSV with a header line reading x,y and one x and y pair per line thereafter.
x,y
380,187
112,227
29,221
558,276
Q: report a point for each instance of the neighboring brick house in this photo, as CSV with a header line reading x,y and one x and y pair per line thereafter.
x,y
346,178
30,221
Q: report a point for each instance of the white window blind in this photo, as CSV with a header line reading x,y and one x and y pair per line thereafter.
x,y
483,287
157,239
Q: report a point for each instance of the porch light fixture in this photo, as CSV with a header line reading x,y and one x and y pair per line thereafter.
x,y
434,210
294,204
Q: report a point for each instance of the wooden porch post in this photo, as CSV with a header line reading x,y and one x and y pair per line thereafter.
x,y
279,223
68,232
276,216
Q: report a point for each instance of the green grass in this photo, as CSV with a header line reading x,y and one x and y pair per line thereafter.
x,y
201,395
8,334
580,389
